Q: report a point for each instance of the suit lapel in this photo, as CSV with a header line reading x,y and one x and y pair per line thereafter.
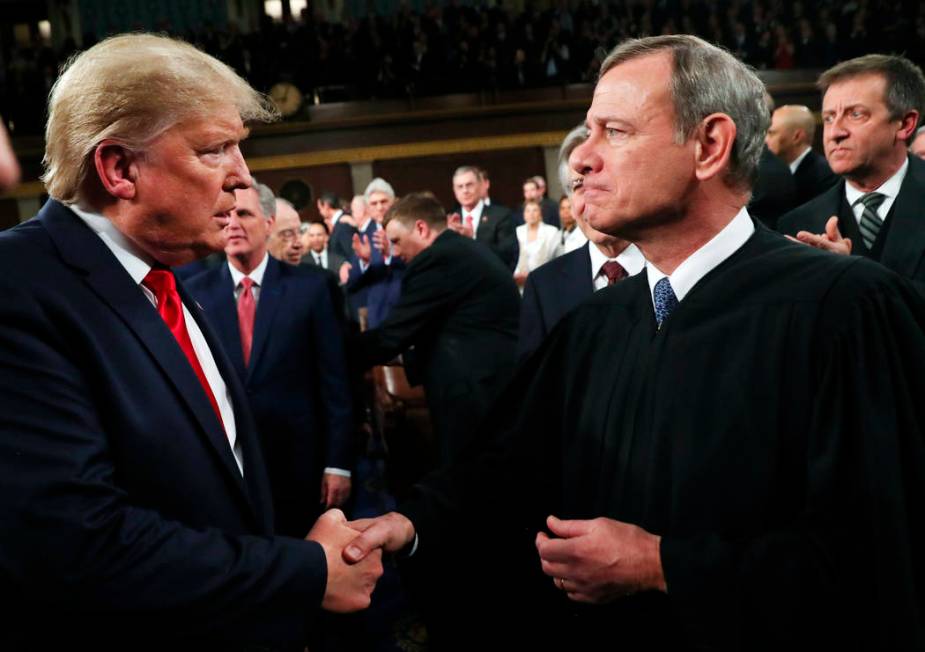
x,y
578,274
271,292
106,277
905,241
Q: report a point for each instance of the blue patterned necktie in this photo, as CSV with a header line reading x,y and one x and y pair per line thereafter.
x,y
665,300
870,222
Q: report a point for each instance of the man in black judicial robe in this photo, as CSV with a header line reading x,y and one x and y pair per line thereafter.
x,y
737,446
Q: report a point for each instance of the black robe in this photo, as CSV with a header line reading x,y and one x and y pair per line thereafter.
x,y
771,432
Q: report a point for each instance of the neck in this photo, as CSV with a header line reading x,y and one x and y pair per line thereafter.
x,y
247,263
670,243
794,154
869,180
612,248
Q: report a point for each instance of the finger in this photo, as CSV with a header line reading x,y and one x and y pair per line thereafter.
x,y
567,529
792,239
557,550
361,524
831,229
577,596
556,569
334,515
373,538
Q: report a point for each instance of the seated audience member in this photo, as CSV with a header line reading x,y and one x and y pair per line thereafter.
x,y
280,327
285,241
136,510
538,242
571,236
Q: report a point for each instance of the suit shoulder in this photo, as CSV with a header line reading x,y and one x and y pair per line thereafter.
x,y
202,280
548,272
804,216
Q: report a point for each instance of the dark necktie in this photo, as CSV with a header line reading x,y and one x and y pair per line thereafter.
x,y
870,222
613,271
169,306
665,300
247,309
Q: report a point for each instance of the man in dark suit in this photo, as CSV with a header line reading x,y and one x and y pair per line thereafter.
x,y
319,250
490,225
870,110
458,309
774,192
280,328
790,137
341,230
136,509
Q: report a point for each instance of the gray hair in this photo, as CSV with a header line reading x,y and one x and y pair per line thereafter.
x,y
707,79
130,89
905,84
378,185
266,198
573,139
465,169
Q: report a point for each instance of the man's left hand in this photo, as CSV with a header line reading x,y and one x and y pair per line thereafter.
x,y
335,490
831,241
600,560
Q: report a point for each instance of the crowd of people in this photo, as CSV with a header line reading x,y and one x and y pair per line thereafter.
x,y
655,418
456,47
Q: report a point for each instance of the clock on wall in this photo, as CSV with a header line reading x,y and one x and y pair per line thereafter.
x,y
287,98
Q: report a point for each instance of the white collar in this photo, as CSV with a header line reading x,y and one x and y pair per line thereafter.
x,y
704,260
890,187
799,159
256,275
630,259
337,216
476,211
134,260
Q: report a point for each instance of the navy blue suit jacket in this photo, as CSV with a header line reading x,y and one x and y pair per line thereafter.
x,y
296,380
381,284
125,519
551,292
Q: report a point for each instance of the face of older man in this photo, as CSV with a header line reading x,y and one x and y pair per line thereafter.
x,y
466,190
184,188
285,243
249,228
634,174
379,204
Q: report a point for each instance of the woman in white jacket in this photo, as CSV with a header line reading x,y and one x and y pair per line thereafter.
x,y
539,243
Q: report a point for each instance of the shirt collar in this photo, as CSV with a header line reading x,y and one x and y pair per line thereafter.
x,y
256,275
889,188
799,159
630,259
476,211
134,260
337,216
704,260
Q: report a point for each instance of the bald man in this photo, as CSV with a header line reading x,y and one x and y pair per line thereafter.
x,y
790,137
918,143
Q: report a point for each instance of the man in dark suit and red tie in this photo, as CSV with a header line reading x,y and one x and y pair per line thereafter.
x,y
279,326
136,508
491,225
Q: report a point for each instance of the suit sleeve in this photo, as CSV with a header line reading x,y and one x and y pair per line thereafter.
x,y
429,289
332,379
532,325
72,534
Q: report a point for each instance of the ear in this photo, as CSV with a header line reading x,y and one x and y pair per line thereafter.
x,y
907,124
713,148
117,169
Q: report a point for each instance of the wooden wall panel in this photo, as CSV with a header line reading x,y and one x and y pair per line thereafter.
x,y
507,168
319,178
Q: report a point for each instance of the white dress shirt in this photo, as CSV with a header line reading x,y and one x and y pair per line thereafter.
x,y
321,259
704,260
889,188
630,259
476,214
572,240
138,264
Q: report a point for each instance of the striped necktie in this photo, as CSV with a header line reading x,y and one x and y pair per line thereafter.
x,y
870,222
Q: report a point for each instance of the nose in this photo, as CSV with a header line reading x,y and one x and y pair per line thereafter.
x,y
584,160
239,177
835,129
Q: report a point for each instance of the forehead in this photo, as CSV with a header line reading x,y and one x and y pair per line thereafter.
x,y
638,87
220,123
286,218
395,228
316,229
377,197
464,178
868,89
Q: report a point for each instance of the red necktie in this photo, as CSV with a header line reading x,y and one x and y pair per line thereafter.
x,y
613,271
164,286
247,309
469,223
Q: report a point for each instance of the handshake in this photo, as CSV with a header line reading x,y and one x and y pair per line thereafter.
x,y
353,550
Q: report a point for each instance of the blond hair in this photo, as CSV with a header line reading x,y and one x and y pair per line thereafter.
x,y
130,89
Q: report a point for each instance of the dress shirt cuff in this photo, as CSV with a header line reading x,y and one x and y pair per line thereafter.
x,y
330,470
388,259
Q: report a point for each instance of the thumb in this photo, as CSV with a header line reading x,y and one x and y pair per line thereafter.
x,y
335,516
566,529
371,539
